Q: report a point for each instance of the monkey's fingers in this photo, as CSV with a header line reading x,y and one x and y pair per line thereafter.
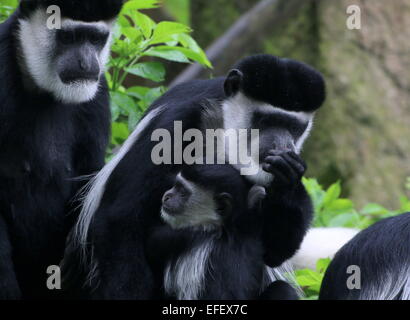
x,y
281,170
298,165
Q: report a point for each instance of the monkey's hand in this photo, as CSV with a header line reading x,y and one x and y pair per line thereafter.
x,y
287,168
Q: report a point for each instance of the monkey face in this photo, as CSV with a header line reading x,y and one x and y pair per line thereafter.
x,y
67,62
189,205
175,200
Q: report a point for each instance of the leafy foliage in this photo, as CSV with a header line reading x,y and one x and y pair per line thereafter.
x,y
138,43
6,8
311,280
331,210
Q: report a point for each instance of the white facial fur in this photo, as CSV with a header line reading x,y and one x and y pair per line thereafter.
x,y
200,211
237,114
38,44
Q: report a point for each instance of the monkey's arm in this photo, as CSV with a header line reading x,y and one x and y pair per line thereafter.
x,y
9,288
287,209
165,243
92,127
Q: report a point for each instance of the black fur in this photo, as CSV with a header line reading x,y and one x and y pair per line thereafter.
x,y
279,291
82,10
44,145
283,83
131,203
235,269
382,252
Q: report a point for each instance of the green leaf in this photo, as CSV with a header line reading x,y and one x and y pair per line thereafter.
x,y
188,42
332,194
123,22
374,209
404,204
140,4
152,95
133,120
125,102
131,33
165,30
322,265
195,56
144,23
316,193
119,133
340,205
154,71
167,53
344,220
137,92
308,277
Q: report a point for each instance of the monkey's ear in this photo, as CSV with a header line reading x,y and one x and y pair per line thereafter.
x,y
233,82
255,197
224,204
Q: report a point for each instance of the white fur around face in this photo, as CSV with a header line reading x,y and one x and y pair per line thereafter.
x,y
200,211
237,114
38,44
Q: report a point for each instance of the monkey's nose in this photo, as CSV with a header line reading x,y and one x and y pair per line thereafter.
x,y
167,196
83,64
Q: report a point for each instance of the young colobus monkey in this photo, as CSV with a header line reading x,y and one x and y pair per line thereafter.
x,y
277,96
374,265
54,127
210,247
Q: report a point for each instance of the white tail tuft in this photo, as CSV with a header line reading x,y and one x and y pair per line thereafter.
x,y
321,243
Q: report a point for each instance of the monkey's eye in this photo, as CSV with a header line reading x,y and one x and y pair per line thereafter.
x,y
182,191
98,38
65,37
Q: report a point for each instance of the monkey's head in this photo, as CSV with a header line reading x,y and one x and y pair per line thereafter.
x,y
66,57
207,197
278,97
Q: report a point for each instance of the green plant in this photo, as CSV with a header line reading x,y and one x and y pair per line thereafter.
x,y
311,280
138,43
331,210
6,8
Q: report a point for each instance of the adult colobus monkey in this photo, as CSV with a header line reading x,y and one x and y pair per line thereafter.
x,y
276,96
54,126
375,265
210,247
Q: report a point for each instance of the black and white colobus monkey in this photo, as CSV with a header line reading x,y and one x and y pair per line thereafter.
x,y
210,247
276,96
54,126
380,257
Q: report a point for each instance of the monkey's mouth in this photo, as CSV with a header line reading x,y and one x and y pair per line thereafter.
x,y
79,81
168,210
71,77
